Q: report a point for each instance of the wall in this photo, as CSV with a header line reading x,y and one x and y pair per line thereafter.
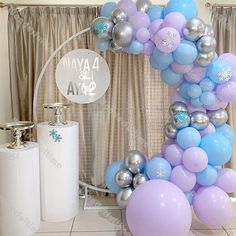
x,y
5,108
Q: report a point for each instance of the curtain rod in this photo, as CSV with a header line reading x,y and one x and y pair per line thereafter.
x,y
43,5
208,4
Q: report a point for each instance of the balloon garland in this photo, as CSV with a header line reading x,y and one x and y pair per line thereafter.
x,y
158,193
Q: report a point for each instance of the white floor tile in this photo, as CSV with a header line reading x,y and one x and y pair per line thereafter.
x,y
47,227
231,232
98,220
51,234
207,233
97,234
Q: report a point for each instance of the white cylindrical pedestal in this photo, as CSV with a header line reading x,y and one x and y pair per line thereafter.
x,y
59,171
19,191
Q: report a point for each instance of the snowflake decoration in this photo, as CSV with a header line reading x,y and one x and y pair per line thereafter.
x,y
169,41
54,134
225,75
161,173
100,28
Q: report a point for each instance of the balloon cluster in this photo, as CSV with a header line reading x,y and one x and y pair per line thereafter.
x,y
189,170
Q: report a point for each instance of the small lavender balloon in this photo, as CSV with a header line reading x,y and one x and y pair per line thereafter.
x,y
143,35
173,153
226,92
149,47
139,20
128,5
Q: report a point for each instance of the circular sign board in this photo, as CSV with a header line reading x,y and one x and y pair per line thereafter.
x,y
82,76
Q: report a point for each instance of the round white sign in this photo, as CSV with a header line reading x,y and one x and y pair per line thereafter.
x,y
82,76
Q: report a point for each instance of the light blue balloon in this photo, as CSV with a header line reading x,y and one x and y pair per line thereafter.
x,y
208,98
158,168
196,102
155,13
103,45
218,167
194,91
110,176
171,78
207,85
227,131
160,60
218,149
207,177
183,90
186,53
220,71
188,137
187,7
108,8
136,47
189,196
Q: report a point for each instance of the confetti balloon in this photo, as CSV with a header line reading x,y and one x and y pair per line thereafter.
x,y
181,120
102,28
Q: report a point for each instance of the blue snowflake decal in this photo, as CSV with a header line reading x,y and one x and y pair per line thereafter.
x,y
54,134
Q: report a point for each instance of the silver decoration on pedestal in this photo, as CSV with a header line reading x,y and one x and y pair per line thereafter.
x,y
135,161
199,120
124,178
123,196
219,117
102,28
194,29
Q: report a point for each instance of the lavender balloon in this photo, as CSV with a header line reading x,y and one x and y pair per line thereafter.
x,y
181,69
143,35
218,105
197,74
127,5
140,20
175,20
155,27
212,206
226,92
230,58
183,178
210,129
149,48
167,39
173,154
166,144
226,180
195,159
153,204
175,97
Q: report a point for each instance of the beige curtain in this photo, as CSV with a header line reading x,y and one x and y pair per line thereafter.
x,y
130,116
224,21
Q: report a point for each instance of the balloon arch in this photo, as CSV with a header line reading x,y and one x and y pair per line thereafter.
x,y
158,193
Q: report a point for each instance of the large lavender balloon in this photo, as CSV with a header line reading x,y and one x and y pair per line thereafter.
x,y
153,204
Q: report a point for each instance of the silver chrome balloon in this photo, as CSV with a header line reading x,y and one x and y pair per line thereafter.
x,y
218,117
199,120
170,131
123,196
102,28
181,120
194,29
139,179
177,107
119,15
135,161
143,5
115,48
123,34
124,178
209,30
204,59
206,44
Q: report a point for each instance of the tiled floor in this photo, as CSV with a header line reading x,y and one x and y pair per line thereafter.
x,y
113,223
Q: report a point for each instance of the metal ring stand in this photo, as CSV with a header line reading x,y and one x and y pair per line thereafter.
x,y
39,80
